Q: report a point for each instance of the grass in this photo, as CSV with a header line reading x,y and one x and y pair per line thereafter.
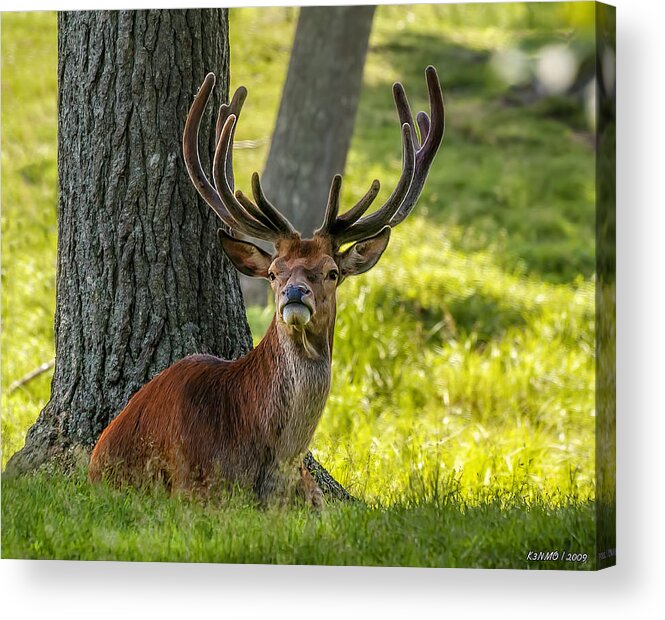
x,y
65,517
29,201
460,347
462,407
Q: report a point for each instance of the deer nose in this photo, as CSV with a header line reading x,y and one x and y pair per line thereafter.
x,y
295,293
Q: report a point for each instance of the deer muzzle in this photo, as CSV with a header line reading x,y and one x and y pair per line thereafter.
x,y
295,307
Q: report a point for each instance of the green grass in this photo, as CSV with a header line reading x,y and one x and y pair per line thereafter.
x,y
29,202
462,406
495,370
66,518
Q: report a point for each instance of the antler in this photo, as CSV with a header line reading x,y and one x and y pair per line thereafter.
x,y
417,157
239,213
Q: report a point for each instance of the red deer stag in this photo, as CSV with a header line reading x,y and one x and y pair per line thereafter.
x,y
250,421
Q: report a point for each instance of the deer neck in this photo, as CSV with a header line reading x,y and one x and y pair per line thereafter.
x,y
297,393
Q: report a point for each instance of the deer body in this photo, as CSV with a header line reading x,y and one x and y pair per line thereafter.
x,y
250,421
205,419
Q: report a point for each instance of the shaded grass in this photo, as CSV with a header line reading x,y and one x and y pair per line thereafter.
x,y
48,517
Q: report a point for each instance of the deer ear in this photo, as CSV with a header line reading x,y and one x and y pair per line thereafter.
x,y
363,255
246,257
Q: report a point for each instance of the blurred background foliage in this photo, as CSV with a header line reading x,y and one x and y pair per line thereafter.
x,y
466,357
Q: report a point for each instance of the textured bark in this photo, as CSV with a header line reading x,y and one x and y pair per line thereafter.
x,y
330,487
141,280
316,116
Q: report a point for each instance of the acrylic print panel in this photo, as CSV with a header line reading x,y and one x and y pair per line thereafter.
x,y
461,414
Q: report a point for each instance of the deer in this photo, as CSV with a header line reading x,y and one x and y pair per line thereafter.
x,y
249,422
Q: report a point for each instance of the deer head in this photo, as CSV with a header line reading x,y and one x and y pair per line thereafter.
x,y
304,273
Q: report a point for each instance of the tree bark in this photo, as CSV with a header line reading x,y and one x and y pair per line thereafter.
x,y
141,280
318,110
316,116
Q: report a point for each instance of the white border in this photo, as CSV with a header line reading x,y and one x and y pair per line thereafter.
x,y
105,589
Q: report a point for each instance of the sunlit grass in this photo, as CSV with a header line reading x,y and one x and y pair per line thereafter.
x,y
29,228
445,365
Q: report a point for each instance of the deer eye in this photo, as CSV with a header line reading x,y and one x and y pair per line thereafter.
x,y
271,276
333,275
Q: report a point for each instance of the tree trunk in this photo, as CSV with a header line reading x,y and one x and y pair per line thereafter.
x,y
316,116
141,280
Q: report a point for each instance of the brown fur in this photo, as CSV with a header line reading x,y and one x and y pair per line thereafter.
x,y
205,418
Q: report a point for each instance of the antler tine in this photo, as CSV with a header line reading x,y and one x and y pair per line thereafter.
x,y
358,210
423,125
269,210
230,212
265,213
222,115
234,107
371,224
403,108
246,223
437,109
432,131
254,211
332,208
334,223
190,151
